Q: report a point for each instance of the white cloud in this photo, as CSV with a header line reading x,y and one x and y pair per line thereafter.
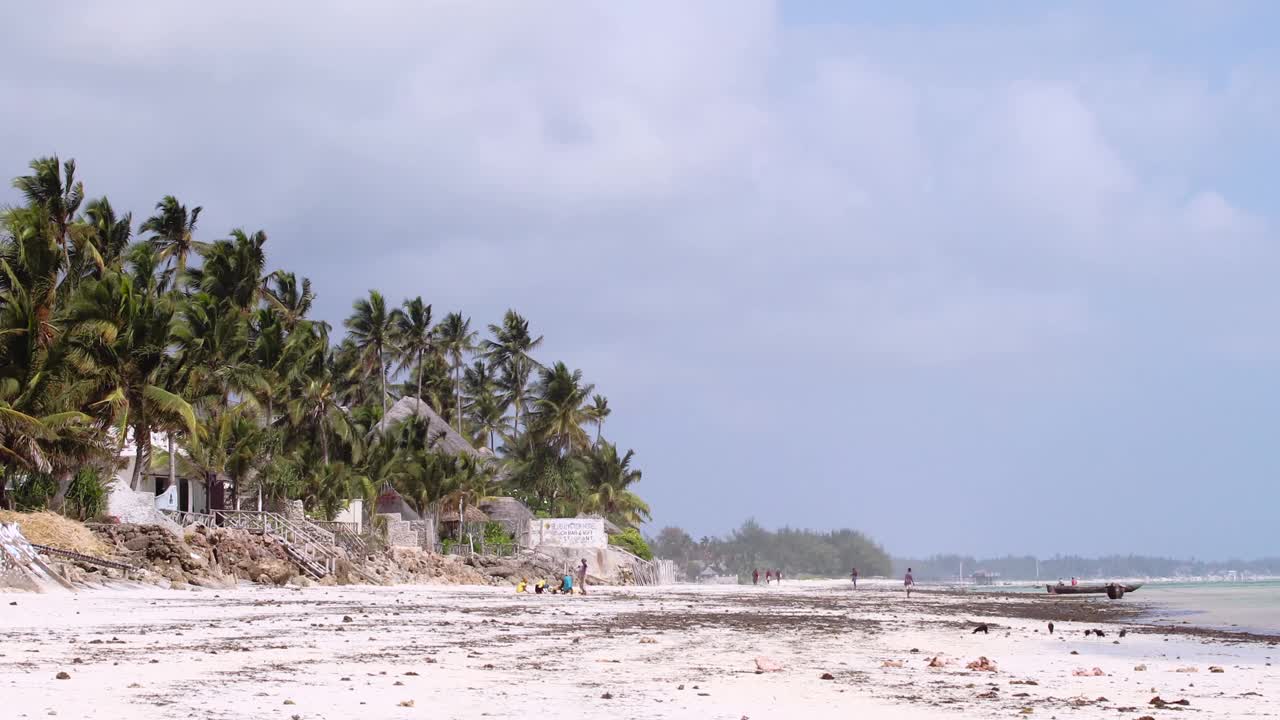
x,y
664,186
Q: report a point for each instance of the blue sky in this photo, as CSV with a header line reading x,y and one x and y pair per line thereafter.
x,y
971,277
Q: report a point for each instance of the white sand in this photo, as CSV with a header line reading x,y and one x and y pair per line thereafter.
x,y
244,653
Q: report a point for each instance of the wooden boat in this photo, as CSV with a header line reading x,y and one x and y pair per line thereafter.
x,y
1115,591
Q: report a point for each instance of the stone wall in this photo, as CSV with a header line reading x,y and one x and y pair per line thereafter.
x,y
426,530
401,533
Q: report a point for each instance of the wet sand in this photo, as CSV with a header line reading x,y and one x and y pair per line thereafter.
x,y
680,652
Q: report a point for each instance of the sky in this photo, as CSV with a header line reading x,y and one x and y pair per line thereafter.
x,y
975,277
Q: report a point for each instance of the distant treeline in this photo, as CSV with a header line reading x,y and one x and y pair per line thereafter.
x,y
1023,567
795,552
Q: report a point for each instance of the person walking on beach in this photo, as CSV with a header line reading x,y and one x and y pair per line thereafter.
x,y
1073,582
909,582
777,575
768,576
582,577
755,576
854,577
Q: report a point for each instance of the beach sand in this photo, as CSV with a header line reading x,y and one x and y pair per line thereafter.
x,y
674,652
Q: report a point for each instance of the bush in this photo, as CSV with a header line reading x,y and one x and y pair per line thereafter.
x,y
631,541
86,495
32,492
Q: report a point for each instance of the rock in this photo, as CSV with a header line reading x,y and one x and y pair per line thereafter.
x,y
765,664
891,664
347,619
983,664
606,696
826,676
1216,669
1139,668
63,676
290,702
405,703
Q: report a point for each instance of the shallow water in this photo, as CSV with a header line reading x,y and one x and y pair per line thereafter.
x,y
1246,606
1252,606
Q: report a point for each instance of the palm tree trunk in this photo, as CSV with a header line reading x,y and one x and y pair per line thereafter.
x,y
324,444
457,392
173,463
139,432
419,395
599,427
382,373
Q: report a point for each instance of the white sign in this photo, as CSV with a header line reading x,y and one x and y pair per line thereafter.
x,y
575,532
168,500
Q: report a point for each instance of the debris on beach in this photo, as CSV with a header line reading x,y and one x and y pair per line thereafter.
x,y
647,641
1095,672
63,676
826,676
1159,702
1188,669
765,664
405,703
1216,669
891,664
1139,668
983,664
936,662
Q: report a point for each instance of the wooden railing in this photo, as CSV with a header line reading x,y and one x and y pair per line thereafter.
x,y
310,546
184,518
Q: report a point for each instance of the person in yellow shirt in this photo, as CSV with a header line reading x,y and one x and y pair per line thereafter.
x,y
520,586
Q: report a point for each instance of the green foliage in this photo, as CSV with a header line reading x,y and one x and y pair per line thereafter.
x,y
105,336
32,492
86,495
631,541
496,534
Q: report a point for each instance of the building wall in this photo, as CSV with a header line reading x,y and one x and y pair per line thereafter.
x,y
352,513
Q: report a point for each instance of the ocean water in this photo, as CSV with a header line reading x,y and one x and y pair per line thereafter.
x,y
1246,606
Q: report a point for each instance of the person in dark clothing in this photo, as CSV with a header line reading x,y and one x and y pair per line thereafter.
x,y
755,576
854,576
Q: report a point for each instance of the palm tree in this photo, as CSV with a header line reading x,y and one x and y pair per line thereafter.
x,y
597,412
560,408
509,349
456,338
369,328
232,272
111,234
173,231
609,478
412,338
286,299
315,414
123,334
53,188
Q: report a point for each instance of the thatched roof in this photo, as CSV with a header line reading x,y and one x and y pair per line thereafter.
x,y
473,514
449,439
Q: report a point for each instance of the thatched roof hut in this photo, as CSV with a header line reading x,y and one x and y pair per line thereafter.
x,y
473,514
446,437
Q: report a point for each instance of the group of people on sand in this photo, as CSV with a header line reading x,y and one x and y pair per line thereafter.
x,y
769,576
566,585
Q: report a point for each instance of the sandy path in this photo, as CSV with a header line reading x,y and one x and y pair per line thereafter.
x,y
478,652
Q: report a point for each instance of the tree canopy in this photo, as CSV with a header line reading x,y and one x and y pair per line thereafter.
x,y
108,333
